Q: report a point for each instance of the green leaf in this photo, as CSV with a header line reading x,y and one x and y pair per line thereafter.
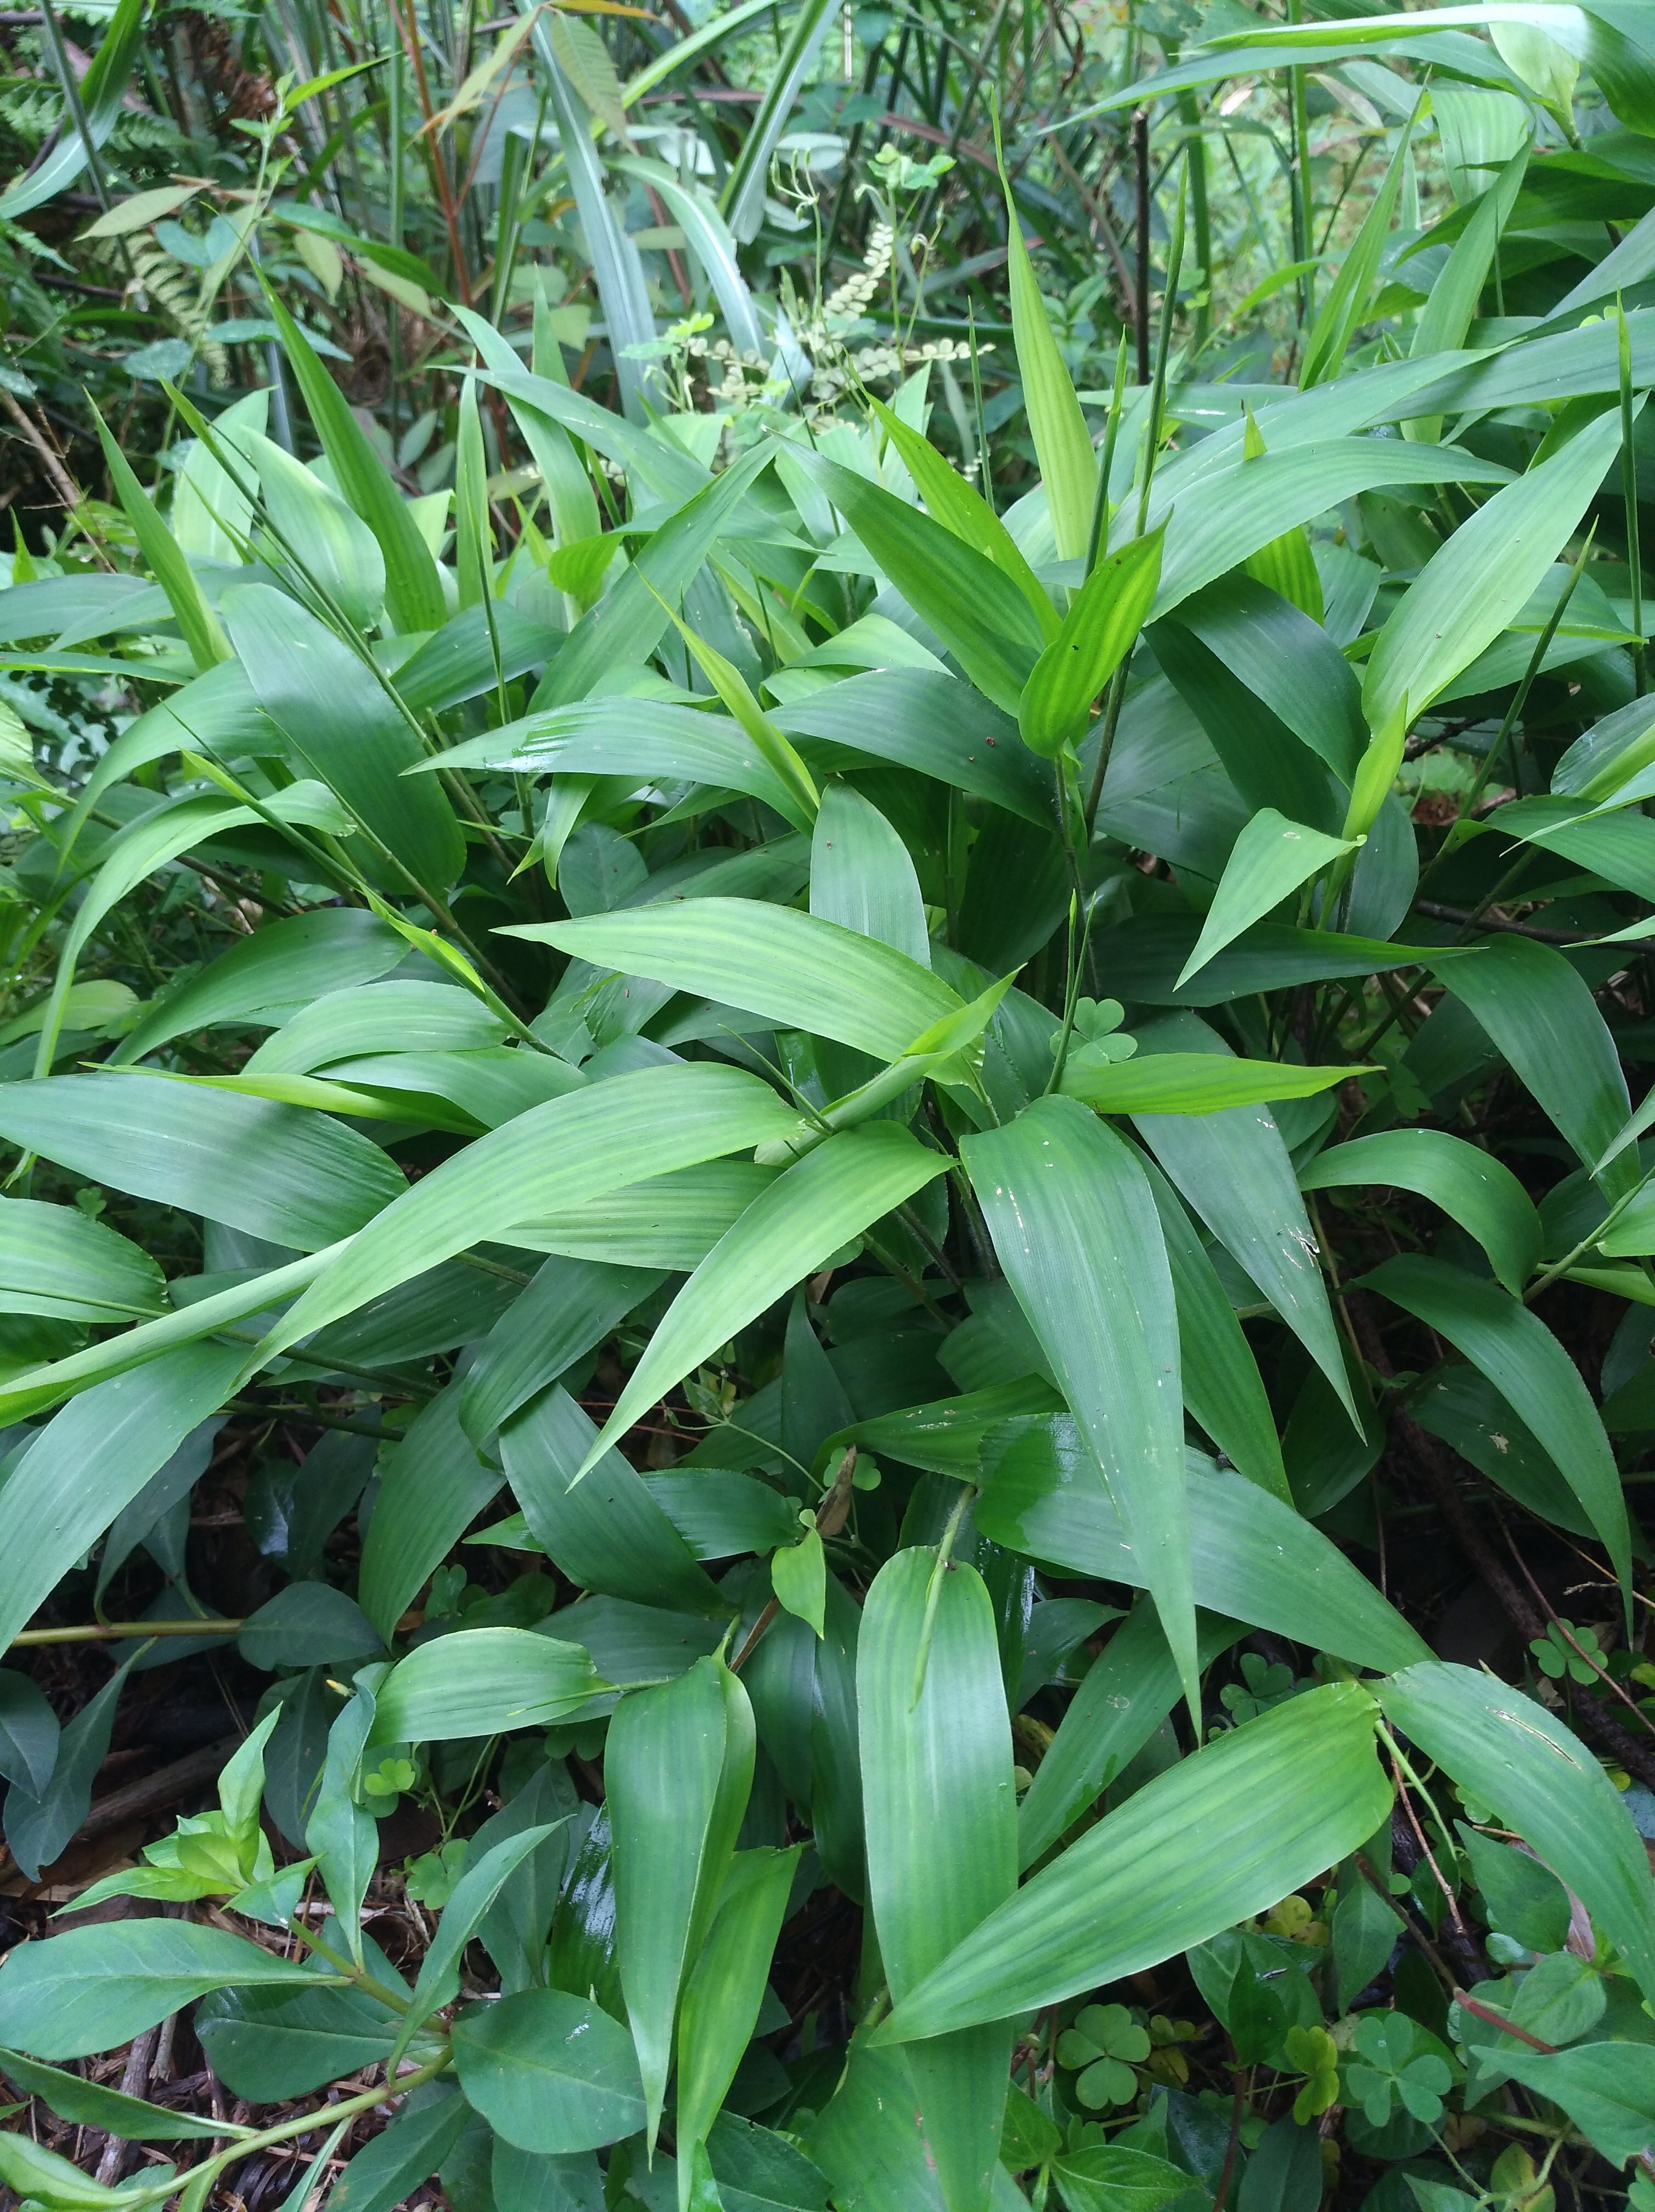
x,y
1471,1186
1286,659
1470,591
341,1835
550,2072
1452,304
304,1624
933,722
1116,2178
1530,1368
571,1149
326,546
1365,1931
940,1819
1123,1698
434,1485
277,1172
1608,2089
1291,1792
1513,1755
413,590
832,1194
281,965
1345,309
640,738
54,1260
960,508
791,775
571,1305
1233,1168
483,1681
861,877
344,727
1075,1227
1145,956
203,632
1099,630
1252,1558
1191,1083
1271,858
40,2176
387,2170
103,90
92,1460
269,2045
88,2105
725,1990
96,1988
1539,1012
474,1893
606,1533
981,615
799,1578
678,1766
1068,468
1222,1386
29,1734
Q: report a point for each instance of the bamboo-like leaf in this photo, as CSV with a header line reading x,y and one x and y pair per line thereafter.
x,y
203,632
979,613
1539,1778
82,1990
1271,858
1291,1793
1471,1186
678,1766
941,1825
571,1149
1099,630
1252,1558
724,1991
1526,1364
1345,308
796,969
434,1486
1191,1083
483,1683
1068,468
1074,1225
1468,593
1538,1009
832,1194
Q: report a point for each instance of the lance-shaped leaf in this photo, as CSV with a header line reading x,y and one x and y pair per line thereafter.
x,y
203,632
862,875
1271,858
103,92
1222,1386
678,1766
1290,1793
433,1486
940,1813
1074,1225
483,1682
1539,1012
959,507
832,1194
796,969
1530,1368
339,720
978,613
1069,470
53,1260
413,590
1537,1777
274,1172
91,1461
473,1894
725,1990
88,2104
1471,590
1251,1556
557,1155
1123,1698
326,543
1471,1187
767,741
97,1987
1191,1083
1098,631
341,1835
1345,308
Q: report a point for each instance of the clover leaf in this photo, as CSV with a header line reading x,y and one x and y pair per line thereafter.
x,y
1557,1655
1384,2076
1312,2052
1104,2043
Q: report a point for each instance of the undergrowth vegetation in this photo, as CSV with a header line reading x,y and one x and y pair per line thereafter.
x,y
825,1295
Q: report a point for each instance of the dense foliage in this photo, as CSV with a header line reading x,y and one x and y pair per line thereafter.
x,y
826,1244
